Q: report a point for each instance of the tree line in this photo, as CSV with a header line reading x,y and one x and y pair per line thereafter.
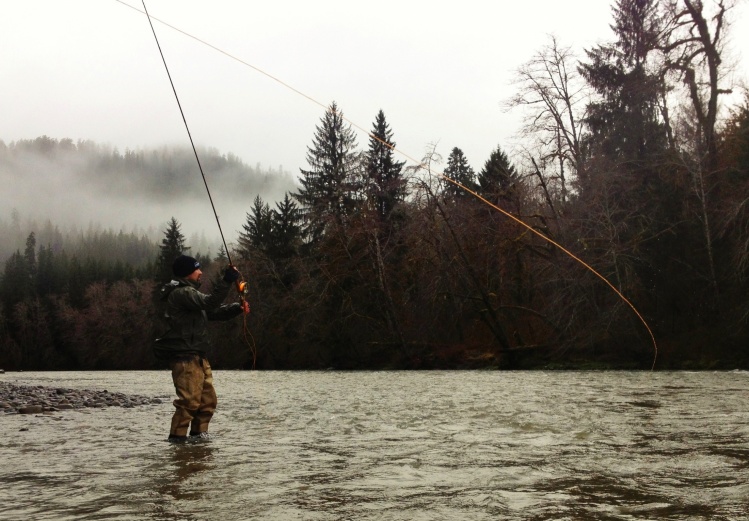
x,y
86,302
627,161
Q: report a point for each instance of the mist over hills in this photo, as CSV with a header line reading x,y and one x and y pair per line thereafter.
x,y
61,187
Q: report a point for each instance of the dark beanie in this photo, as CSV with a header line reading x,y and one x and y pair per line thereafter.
x,y
184,265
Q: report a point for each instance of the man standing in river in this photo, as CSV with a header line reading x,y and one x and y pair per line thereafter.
x,y
184,344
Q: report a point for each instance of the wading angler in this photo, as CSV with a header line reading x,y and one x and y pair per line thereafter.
x,y
184,345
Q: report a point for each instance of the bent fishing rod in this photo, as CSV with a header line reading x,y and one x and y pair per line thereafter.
x,y
421,164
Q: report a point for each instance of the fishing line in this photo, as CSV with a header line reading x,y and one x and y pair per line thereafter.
x,y
420,164
570,254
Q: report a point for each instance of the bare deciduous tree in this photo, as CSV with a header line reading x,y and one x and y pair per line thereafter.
x,y
553,97
693,44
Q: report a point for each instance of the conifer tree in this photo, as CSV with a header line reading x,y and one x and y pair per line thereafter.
x,y
625,122
330,188
257,229
221,257
286,227
498,177
459,171
15,285
172,246
385,183
45,278
29,254
19,278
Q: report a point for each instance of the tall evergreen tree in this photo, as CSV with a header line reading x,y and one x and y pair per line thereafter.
x,y
172,246
221,257
386,185
257,230
498,177
626,124
286,228
459,171
330,188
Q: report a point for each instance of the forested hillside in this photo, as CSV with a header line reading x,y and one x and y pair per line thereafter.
x,y
60,187
634,159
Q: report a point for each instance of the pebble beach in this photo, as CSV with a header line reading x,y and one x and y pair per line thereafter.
x,y
39,399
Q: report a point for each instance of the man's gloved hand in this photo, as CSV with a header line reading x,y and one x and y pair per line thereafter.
x,y
245,307
231,274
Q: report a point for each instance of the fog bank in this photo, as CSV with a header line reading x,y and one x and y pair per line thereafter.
x,y
83,185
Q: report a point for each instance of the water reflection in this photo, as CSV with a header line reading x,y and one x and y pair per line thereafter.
x,y
187,461
181,482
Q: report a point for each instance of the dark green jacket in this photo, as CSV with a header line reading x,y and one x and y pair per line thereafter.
x,y
187,314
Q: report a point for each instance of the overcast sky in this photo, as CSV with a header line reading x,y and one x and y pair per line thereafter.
x,y
440,71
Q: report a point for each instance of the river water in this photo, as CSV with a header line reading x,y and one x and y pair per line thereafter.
x,y
391,446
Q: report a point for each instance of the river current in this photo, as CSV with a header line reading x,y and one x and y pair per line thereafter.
x,y
449,445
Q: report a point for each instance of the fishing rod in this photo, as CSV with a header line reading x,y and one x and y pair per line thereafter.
x,y
195,151
241,285
507,214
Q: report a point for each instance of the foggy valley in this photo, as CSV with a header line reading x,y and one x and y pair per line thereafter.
x,y
61,188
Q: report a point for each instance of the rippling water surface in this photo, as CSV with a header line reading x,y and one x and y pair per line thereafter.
x,y
391,446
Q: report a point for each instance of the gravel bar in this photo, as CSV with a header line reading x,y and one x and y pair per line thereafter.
x,y
35,399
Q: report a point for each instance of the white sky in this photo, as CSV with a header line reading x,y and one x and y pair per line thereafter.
x,y
90,69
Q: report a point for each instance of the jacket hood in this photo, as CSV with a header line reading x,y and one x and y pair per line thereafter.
x,y
173,284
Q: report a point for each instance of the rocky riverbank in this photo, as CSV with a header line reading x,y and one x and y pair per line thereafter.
x,y
35,399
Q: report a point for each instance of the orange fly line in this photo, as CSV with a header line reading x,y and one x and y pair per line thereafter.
x,y
421,164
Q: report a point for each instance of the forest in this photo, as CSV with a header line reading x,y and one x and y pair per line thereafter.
x,y
635,159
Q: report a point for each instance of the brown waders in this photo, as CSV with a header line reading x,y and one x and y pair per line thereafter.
x,y
197,400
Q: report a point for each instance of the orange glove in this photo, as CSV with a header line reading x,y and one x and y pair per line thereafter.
x,y
245,307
